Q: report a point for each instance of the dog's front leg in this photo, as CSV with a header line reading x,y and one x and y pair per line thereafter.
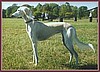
x,y
35,56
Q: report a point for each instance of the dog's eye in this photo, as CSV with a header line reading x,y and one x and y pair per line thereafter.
x,y
18,10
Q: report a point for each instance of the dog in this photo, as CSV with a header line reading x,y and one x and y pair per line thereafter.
x,y
39,31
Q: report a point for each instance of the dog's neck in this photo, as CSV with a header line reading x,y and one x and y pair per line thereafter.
x,y
27,19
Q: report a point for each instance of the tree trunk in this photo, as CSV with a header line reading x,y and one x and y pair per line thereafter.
x,y
61,19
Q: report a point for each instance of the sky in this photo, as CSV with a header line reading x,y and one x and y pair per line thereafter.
x,y
90,4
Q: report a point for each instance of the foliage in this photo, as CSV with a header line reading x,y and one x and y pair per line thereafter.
x,y
33,10
37,14
8,12
39,7
4,13
63,10
74,10
54,10
46,8
82,12
95,13
11,10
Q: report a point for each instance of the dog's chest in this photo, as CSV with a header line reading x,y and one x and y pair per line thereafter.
x,y
28,30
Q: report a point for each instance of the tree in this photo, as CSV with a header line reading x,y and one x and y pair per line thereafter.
x,y
46,8
4,13
75,11
39,7
33,9
11,9
95,12
62,11
38,11
14,7
69,13
8,11
82,12
51,9
37,14
68,7
65,11
54,10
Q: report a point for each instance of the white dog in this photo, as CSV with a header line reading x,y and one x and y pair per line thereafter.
x,y
39,31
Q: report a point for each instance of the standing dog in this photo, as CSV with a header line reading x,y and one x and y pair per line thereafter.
x,y
39,31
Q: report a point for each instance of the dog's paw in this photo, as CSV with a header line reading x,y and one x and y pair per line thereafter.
x,y
35,64
32,63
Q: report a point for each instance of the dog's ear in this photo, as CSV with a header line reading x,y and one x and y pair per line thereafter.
x,y
23,13
28,12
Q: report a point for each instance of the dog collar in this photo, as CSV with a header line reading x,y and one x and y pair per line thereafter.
x,y
29,21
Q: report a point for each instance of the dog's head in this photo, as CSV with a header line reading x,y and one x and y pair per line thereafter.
x,y
22,11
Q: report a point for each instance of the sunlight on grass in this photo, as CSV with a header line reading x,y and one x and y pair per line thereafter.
x,y
17,49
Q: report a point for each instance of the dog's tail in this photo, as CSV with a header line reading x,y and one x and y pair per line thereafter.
x,y
80,44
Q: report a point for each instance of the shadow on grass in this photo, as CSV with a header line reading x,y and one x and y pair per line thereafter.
x,y
87,67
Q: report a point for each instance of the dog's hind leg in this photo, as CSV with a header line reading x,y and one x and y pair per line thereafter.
x,y
71,54
72,51
67,39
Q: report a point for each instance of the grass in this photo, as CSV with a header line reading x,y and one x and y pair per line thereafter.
x,y
17,49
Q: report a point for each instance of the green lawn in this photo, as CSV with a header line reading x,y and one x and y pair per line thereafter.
x,y
17,49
